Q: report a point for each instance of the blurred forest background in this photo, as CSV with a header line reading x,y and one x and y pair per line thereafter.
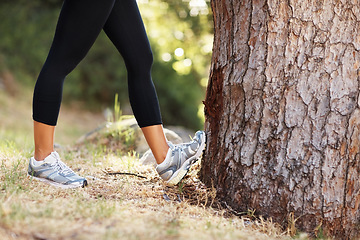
x,y
180,33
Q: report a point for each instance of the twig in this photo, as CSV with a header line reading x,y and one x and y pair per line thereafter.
x,y
124,173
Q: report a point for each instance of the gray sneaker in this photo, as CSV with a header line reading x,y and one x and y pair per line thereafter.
x,y
53,171
180,157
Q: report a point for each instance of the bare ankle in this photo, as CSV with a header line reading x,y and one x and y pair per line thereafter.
x,y
41,155
160,157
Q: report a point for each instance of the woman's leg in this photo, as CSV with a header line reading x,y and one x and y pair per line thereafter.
x,y
79,24
44,140
126,30
156,140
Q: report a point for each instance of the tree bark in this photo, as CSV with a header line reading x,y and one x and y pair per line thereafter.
x,y
282,111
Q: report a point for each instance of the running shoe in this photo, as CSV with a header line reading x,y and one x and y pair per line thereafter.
x,y
53,171
180,157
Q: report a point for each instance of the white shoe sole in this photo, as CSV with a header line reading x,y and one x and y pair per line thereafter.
x,y
182,171
59,185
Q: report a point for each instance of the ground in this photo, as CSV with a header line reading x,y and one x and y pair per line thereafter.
x,y
124,199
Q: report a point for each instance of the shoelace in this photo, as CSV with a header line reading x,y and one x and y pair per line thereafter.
x,y
182,145
182,154
61,167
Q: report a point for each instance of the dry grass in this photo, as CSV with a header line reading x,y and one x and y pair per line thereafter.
x,y
116,206
113,206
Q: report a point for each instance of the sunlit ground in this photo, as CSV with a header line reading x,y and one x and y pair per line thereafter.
x,y
118,206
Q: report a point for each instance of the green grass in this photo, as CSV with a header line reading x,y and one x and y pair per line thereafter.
x,y
112,206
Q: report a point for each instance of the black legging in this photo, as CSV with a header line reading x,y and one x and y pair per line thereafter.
x,y
79,24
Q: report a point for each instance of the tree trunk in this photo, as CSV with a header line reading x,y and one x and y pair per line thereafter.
x,y
282,111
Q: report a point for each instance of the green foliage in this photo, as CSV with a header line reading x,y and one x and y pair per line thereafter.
x,y
121,133
180,37
182,41
24,34
117,110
